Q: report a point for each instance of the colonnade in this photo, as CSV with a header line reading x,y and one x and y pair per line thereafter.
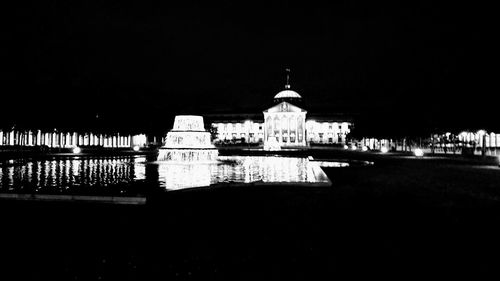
x,y
289,129
68,139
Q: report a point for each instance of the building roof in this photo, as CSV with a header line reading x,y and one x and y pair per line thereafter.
x,y
284,107
287,93
233,117
329,117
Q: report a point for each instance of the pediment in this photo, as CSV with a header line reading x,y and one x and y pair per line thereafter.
x,y
284,107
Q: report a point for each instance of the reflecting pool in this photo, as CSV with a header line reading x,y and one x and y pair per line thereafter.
x,y
128,174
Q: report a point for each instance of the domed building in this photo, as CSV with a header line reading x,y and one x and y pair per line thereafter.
x,y
285,122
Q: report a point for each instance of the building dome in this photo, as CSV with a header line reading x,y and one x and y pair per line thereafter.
x,y
287,94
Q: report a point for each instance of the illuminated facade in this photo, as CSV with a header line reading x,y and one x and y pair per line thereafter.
x,y
286,123
188,141
57,139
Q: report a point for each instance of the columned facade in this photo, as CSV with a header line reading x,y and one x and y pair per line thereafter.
x,y
286,124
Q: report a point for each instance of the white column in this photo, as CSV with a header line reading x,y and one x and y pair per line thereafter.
x,y
288,128
296,129
69,139
38,138
265,128
268,133
304,136
280,122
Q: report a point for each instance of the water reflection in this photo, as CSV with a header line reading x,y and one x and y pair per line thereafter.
x,y
101,174
240,169
58,175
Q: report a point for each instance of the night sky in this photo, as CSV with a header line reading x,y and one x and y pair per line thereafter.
x,y
421,67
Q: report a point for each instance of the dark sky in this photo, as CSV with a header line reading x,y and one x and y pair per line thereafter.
x,y
413,66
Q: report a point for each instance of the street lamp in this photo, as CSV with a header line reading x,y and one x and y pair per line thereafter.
x,y
419,152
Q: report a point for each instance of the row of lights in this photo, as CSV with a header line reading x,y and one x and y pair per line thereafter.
x,y
418,152
77,150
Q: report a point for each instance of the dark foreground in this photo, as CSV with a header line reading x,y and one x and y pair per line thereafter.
x,y
400,218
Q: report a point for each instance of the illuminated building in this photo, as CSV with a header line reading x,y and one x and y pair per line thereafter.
x,y
65,139
286,122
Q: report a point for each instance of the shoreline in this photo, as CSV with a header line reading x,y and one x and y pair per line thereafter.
x,y
317,152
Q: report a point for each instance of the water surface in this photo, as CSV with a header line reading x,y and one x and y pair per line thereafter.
x,y
128,174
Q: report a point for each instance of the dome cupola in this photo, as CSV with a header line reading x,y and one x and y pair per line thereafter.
x,y
287,94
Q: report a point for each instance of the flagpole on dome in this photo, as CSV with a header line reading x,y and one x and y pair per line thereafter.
x,y
287,86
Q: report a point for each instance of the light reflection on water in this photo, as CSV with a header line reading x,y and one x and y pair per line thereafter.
x,y
58,175
239,169
67,175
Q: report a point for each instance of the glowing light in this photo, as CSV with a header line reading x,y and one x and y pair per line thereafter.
x,y
384,149
364,148
188,141
330,164
77,150
419,152
136,148
346,146
353,147
272,144
188,123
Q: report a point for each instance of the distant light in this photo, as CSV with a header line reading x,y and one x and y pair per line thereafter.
x,y
419,152
353,147
346,146
364,148
77,150
384,150
329,164
136,148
